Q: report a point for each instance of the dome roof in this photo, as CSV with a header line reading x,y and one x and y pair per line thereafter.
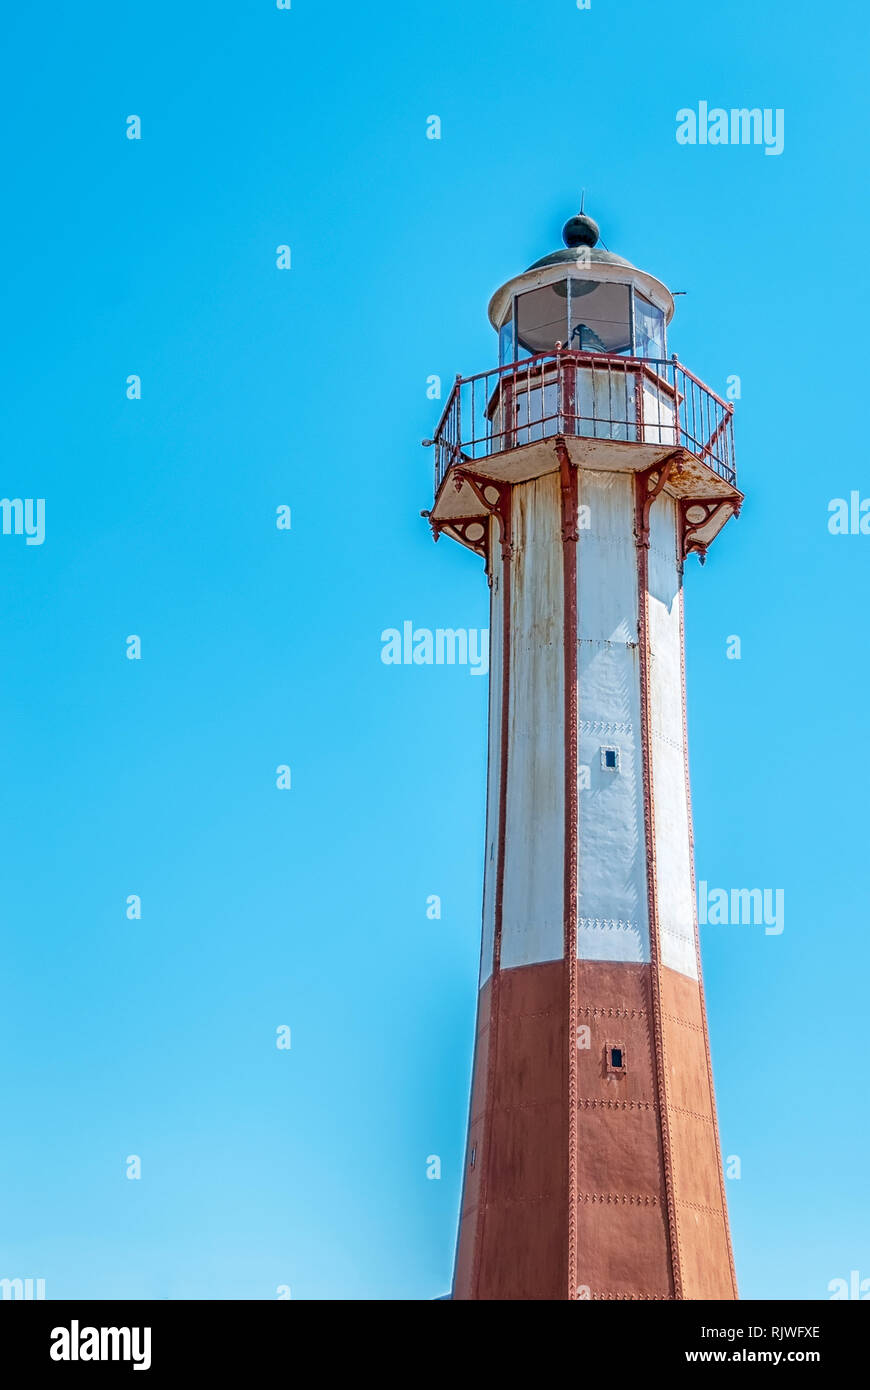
x,y
578,232
568,255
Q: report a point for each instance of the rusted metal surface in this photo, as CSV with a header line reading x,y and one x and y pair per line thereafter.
x,y
632,400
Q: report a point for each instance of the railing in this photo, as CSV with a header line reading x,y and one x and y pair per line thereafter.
x,y
633,400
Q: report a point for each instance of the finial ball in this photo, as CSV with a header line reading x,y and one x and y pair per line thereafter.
x,y
580,231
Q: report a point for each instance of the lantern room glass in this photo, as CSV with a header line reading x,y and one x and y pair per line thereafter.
x,y
649,328
506,339
592,316
600,317
542,319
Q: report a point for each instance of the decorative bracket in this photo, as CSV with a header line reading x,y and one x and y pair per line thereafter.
x,y
496,498
471,530
650,485
695,514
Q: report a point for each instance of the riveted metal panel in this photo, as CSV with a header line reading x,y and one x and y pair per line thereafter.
x,y
613,915
532,921
491,849
672,832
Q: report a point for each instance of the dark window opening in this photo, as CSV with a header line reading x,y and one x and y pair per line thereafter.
x,y
600,317
616,1058
610,757
542,319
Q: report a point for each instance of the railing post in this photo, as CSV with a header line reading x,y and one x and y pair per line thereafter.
x,y
457,387
677,393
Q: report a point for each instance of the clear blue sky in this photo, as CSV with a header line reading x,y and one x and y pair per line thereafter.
x,y
308,387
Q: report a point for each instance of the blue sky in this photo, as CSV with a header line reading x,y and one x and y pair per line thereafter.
x,y
307,387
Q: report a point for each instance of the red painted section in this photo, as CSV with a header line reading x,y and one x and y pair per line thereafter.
x,y
517,1236
699,1198
624,1246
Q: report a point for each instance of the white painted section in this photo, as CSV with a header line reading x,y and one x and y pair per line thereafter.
x,y
613,917
658,413
490,870
673,862
532,917
606,403
535,411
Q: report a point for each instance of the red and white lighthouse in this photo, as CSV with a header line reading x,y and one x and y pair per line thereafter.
x,y
584,469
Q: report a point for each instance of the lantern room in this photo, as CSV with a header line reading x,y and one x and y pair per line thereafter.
x,y
584,299
583,364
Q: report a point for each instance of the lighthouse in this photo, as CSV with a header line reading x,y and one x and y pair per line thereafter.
x,y
585,469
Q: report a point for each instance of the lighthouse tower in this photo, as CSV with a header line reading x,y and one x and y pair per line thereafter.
x,y
585,468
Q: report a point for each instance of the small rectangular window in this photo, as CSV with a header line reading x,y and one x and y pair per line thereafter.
x,y
610,759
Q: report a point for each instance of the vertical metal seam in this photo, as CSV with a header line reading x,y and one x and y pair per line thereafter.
x,y
569,490
502,517
643,501
487,552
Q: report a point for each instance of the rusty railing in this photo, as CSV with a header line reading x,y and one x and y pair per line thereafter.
x,y
633,400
